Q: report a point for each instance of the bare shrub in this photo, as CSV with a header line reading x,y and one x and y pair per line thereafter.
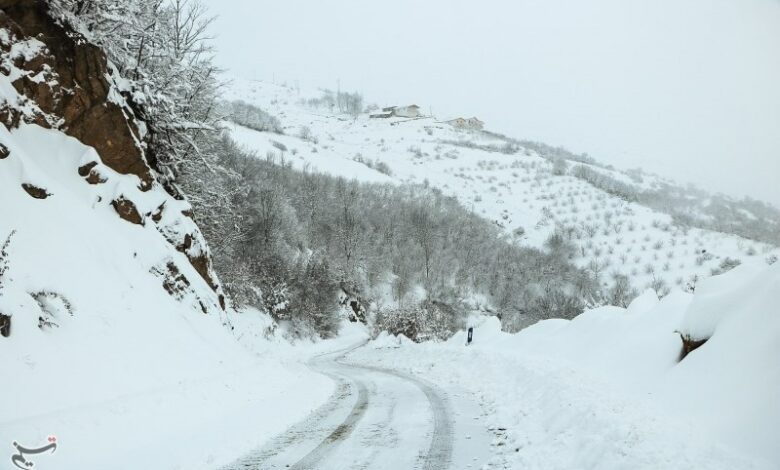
x,y
621,292
5,259
251,116
53,307
726,265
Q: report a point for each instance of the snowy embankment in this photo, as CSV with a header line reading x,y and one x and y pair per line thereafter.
x,y
108,352
606,390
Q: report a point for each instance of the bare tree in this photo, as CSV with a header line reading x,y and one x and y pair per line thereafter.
x,y
4,258
425,232
348,224
267,208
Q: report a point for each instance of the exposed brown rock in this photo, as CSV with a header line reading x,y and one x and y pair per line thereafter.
x,y
95,178
74,98
4,152
186,244
689,344
113,140
157,214
5,325
202,265
80,95
175,283
86,168
35,191
127,210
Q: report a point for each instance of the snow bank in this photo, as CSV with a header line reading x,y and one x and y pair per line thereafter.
x,y
126,375
721,298
731,384
606,390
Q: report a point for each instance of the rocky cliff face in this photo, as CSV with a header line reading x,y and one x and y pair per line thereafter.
x,y
70,82
59,80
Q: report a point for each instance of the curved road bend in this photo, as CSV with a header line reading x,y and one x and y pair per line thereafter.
x,y
377,419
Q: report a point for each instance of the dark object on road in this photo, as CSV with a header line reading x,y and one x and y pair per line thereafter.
x,y
471,335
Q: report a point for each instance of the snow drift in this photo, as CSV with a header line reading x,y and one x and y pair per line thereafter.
x,y
607,389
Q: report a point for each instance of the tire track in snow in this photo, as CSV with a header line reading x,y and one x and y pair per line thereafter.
x,y
339,434
323,429
439,455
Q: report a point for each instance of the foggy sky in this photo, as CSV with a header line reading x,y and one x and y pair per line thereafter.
x,y
685,88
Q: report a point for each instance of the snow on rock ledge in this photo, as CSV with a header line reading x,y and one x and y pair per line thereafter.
x,y
61,80
733,296
133,346
52,76
47,158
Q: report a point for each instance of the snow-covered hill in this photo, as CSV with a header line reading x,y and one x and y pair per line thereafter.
x,y
513,186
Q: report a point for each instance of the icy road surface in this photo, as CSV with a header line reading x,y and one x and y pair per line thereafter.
x,y
378,419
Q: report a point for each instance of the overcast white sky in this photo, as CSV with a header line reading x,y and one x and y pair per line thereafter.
x,y
684,88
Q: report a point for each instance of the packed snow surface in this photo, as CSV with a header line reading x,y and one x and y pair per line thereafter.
x,y
606,390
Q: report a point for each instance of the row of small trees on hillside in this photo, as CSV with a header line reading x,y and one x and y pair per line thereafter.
x,y
689,205
339,101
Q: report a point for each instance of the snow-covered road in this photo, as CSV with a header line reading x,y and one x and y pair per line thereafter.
x,y
378,418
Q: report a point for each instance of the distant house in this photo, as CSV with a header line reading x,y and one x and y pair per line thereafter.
x,y
475,123
463,123
458,123
410,111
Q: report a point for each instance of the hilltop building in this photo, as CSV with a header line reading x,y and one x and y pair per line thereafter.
x,y
410,111
462,123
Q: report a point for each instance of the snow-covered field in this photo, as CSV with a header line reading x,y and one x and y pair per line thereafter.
x,y
606,391
517,190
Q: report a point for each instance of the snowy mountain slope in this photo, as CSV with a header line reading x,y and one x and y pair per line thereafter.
x,y
113,332
98,349
508,184
605,390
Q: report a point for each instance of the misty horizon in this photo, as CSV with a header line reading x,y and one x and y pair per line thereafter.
x,y
437,235
660,87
